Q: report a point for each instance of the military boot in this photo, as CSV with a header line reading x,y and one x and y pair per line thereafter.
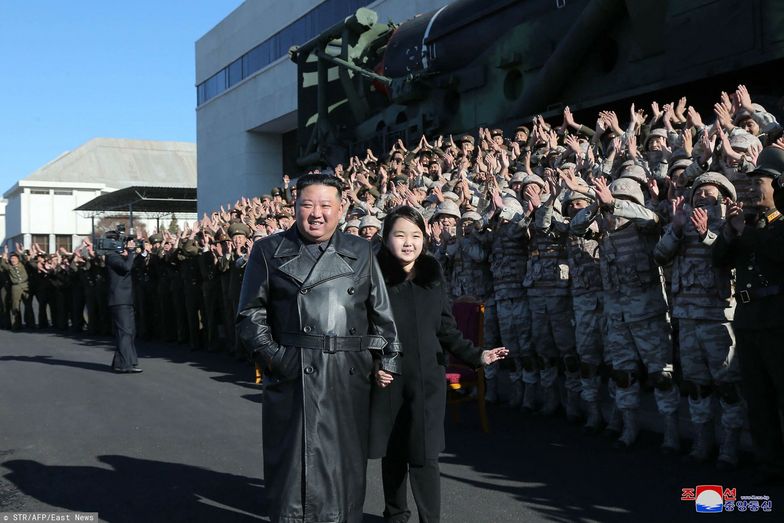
x,y
491,391
552,400
516,396
631,429
671,442
614,424
728,451
529,398
573,410
704,443
593,421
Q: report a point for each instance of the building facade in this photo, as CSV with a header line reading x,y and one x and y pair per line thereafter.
x,y
246,90
39,209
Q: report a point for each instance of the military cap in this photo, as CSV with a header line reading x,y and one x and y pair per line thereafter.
x,y
634,172
743,114
448,208
276,191
221,236
570,196
534,179
466,138
281,215
497,132
369,221
512,207
371,190
471,215
449,195
155,238
659,131
351,223
506,191
190,247
400,180
770,163
518,177
628,188
237,228
522,129
678,164
265,197
717,179
744,141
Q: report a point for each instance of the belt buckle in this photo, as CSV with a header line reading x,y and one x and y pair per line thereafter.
x,y
330,344
744,296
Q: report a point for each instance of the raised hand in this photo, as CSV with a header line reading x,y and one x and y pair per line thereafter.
x,y
678,214
568,120
602,191
680,109
699,219
693,117
735,219
744,98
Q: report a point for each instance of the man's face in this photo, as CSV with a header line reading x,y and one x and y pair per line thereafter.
x,y
368,232
706,196
14,260
467,148
352,230
434,169
446,221
498,139
576,206
239,240
319,209
750,126
656,143
285,223
761,193
520,136
467,226
130,244
167,247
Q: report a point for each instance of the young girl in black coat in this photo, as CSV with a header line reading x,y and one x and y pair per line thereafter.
x,y
408,414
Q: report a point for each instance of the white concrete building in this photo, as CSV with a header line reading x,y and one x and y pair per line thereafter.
x,y
2,221
40,208
246,113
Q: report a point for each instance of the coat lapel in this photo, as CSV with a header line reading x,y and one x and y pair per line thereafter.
x,y
331,263
301,268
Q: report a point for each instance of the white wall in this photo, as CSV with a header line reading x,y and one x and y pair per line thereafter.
x,y
2,222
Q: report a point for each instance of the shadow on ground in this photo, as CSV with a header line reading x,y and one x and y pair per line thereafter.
x,y
131,489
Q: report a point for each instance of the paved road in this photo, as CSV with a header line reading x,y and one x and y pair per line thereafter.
x,y
182,442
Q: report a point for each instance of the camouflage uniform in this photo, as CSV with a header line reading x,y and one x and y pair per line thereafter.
x,y
704,306
552,329
635,307
508,258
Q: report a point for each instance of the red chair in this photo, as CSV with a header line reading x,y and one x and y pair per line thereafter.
x,y
461,378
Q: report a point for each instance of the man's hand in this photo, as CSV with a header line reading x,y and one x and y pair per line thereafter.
x,y
735,219
603,193
699,219
532,197
678,215
744,98
568,120
383,378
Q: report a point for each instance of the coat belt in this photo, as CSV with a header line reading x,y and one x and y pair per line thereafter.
x,y
756,294
328,344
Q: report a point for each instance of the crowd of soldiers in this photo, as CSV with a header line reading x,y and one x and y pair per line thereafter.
x,y
602,254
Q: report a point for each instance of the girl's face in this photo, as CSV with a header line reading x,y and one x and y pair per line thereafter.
x,y
405,241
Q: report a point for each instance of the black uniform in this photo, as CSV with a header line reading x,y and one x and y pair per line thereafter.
x,y
758,257
121,305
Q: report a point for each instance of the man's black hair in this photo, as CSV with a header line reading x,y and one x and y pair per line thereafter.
x,y
319,179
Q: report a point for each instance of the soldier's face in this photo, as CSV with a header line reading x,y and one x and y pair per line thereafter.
x,y
239,240
761,194
368,232
352,230
14,260
656,143
498,139
750,126
319,209
706,196
576,206
405,241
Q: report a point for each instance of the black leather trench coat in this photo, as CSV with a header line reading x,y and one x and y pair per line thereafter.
x,y
316,326
408,415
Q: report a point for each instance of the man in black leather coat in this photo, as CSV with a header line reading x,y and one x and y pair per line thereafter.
x,y
315,313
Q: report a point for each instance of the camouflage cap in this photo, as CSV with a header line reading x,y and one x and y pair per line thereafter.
x,y
471,215
238,228
351,223
512,207
744,141
449,195
659,131
679,164
717,179
627,188
534,179
448,208
570,196
634,172
369,221
518,177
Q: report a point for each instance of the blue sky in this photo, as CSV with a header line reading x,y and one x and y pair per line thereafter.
x,y
75,70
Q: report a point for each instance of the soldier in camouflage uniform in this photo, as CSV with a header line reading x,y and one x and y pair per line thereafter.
x,y
704,306
471,278
635,306
590,327
508,257
547,285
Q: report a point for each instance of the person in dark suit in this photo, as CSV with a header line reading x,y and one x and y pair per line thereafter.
x,y
407,421
120,265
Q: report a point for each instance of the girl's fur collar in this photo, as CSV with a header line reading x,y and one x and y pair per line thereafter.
x,y
427,270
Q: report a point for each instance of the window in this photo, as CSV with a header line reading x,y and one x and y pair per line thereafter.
x,y
63,240
321,17
42,240
63,193
39,191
